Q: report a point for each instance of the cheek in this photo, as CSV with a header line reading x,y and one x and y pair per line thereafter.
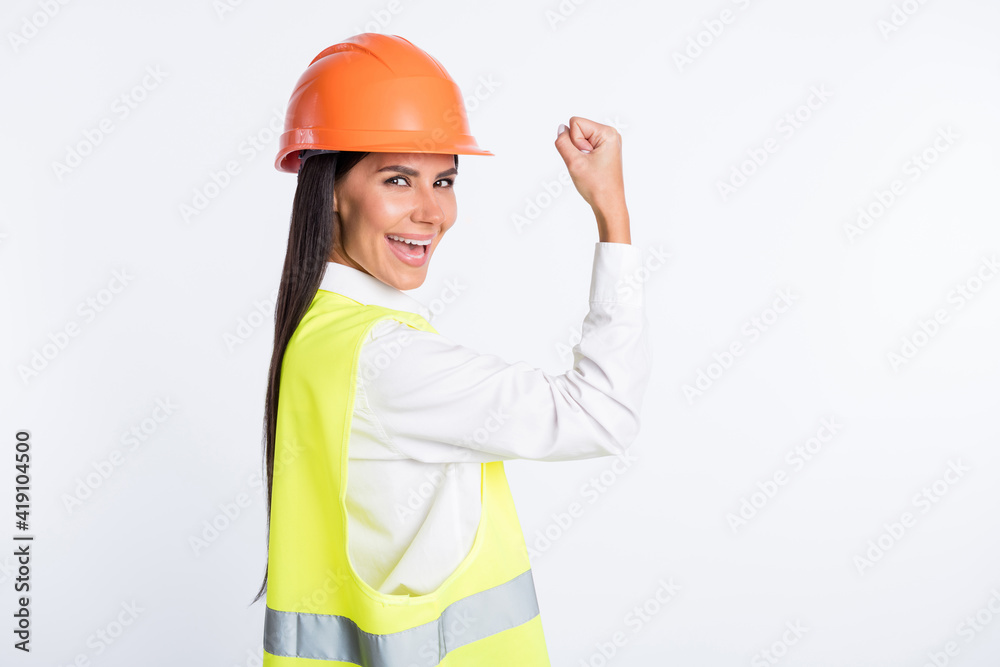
x,y
381,203
451,213
374,220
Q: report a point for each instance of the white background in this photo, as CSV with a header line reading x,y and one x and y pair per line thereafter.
x,y
226,73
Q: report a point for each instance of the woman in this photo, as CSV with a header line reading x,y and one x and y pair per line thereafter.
x,y
393,537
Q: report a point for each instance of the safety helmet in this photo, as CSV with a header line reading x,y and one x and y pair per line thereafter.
x,y
375,93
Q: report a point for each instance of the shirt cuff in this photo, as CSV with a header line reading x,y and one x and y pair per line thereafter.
x,y
615,276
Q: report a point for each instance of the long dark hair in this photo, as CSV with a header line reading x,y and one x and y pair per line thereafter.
x,y
310,242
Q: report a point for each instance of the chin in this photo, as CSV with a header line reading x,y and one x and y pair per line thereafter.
x,y
412,282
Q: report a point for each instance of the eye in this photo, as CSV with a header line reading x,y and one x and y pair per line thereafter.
x,y
449,181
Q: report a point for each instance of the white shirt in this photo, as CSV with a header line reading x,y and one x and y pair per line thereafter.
x,y
428,411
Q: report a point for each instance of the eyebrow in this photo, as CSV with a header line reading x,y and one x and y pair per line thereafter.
x,y
413,172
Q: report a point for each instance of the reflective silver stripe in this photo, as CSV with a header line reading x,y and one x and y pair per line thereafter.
x,y
329,637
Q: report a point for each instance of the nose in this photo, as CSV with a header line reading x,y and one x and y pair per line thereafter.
x,y
428,207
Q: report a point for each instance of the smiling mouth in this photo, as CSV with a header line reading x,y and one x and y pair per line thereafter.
x,y
412,253
411,249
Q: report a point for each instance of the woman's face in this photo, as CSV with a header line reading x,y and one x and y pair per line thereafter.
x,y
386,195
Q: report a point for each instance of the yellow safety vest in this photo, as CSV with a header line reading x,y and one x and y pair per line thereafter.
x,y
317,607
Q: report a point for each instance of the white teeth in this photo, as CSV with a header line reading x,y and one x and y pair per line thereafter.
x,y
410,241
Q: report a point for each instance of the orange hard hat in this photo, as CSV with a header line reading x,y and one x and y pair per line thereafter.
x,y
375,93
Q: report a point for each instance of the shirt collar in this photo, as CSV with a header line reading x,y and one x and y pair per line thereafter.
x,y
369,290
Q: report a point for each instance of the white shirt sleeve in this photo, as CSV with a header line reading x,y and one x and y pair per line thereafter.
x,y
427,398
